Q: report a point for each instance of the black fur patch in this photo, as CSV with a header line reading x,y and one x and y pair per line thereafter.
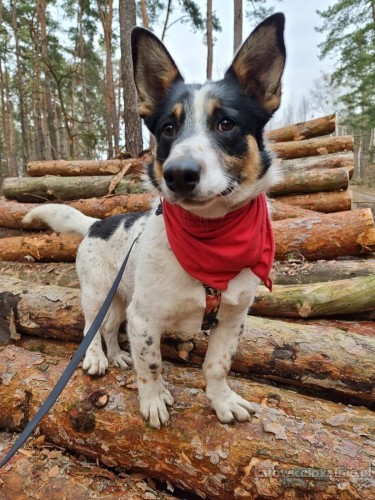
x,y
105,228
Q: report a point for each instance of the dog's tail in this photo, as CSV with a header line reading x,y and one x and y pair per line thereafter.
x,y
61,218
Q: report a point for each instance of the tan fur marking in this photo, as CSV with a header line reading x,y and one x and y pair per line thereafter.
x,y
246,169
178,109
158,171
212,106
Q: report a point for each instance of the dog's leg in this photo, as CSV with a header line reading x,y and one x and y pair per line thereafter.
x,y
95,362
110,327
221,348
145,344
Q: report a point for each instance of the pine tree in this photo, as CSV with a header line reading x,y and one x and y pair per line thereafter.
x,y
350,38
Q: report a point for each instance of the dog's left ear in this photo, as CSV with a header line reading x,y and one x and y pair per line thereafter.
x,y
259,64
154,70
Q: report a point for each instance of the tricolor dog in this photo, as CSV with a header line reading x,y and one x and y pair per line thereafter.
x,y
200,255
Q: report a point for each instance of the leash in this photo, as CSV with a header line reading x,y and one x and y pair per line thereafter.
x,y
69,370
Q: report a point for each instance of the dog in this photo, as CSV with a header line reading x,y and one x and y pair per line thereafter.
x,y
201,252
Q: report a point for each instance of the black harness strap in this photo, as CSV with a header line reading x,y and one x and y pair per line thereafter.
x,y
74,362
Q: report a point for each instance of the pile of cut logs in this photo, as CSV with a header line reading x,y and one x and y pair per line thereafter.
x,y
306,359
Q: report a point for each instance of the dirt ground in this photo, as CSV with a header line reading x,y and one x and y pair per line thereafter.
x,y
363,197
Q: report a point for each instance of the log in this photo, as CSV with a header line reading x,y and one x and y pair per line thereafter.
x,y
366,328
195,452
330,161
281,211
309,356
305,130
41,248
52,273
46,472
312,147
323,236
311,181
12,212
325,202
299,272
332,298
327,236
76,168
53,187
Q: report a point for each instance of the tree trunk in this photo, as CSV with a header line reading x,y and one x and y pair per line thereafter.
x,y
59,274
21,91
312,147
145,21
4,118
12,212
40,471
306,130
278,211
69,168
195,452
300,273
326,236
31,189
311,181
47,82
210,42
133,126
315,357
333,298
330,161
237,25
326,202
43,248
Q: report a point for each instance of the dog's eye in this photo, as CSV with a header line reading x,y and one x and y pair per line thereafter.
x,y
168,130
226,125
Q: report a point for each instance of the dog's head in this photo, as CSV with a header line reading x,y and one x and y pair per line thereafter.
x,y
210,156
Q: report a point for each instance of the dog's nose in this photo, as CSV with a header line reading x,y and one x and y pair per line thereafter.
x,y
182,175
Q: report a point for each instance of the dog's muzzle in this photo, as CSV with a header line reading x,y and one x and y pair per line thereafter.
x,y
182,175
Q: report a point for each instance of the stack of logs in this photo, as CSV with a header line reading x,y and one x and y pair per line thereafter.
x,y
310,375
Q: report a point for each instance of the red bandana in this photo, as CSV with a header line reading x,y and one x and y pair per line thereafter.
x,y
214,251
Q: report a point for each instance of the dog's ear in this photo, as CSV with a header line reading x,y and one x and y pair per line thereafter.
x,y
154,70
259,64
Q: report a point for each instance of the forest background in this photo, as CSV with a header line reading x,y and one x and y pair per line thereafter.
x,y
66,88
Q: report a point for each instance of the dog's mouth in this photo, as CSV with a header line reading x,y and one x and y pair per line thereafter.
x,y
192,201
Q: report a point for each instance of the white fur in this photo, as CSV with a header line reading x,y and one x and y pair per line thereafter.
x,y
158,296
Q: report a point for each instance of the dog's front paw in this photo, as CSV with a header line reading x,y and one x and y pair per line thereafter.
x,y
121,359
95,363
153,406
229,406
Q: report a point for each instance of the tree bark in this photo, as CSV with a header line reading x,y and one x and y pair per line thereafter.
x,y
43,248
315,357
299,273
209,39
195,452
278,211
312,147
330,161
333,298
59,274
31,189
45,472
237,25
311,181
70,168
326,201
326,236
133,126
12,212
306,130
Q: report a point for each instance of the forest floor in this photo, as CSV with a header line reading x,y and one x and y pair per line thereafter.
x,y
363,197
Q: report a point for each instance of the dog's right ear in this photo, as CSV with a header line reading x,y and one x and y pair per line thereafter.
x,y
154,70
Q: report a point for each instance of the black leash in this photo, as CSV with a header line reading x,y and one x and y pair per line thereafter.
x,y
69,370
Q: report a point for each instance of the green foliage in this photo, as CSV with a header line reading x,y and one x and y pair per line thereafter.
x,y
349,26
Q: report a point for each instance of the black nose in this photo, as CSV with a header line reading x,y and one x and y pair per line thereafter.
x,y
182,175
